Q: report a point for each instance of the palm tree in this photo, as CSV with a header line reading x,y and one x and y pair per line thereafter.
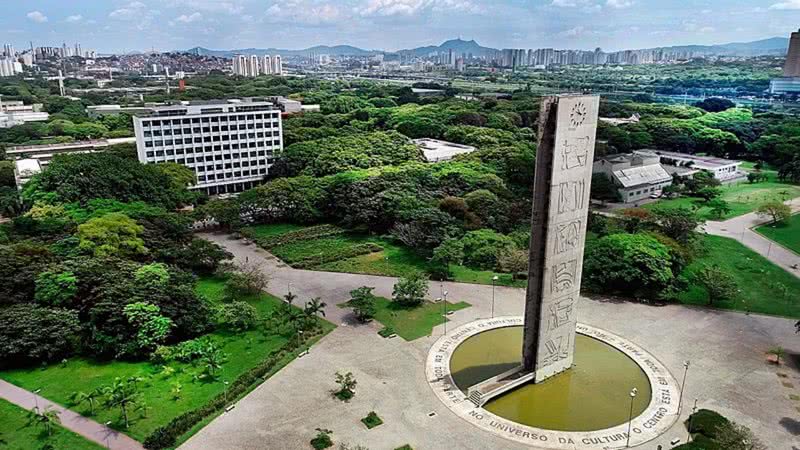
x,y
90,398
315,306
212,359
123,395
47,418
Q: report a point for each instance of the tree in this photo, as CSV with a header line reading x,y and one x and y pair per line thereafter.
x,y
201,256
113,234
347,386
778,211
410,291
248,278
603,188
779,353
634,264
481,248
513,261
677,223
152,276
225,212
150,326
719,208
47,419
451,251
238,316
87,397
212,358
315,307
123,394
362,300
56,288
732,436
718,284
322,440
32,334
715,104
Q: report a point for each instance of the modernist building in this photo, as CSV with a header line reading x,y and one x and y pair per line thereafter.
x,y
43,153
436,150
637,175
230,144
790,82
253,66
724,170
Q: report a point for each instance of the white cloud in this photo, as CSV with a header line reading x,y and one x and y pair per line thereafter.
x,y
216,6
387,8
574,32
194,17
788,4
74,18
707,29
131,11
619,4
565,3
308,12
37,17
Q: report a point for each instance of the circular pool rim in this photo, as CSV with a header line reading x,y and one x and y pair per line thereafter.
x,y
658,417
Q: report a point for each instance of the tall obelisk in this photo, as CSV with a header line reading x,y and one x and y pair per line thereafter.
x,y
567,128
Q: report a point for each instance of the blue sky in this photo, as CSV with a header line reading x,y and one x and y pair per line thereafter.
x,y
124,25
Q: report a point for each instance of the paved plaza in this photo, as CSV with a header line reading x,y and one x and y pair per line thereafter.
x,y
728,373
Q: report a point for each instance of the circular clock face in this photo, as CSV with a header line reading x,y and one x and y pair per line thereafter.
x,y
578,114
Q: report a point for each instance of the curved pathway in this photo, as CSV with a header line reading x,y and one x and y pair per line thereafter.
x,y
70,420
729,372
741,228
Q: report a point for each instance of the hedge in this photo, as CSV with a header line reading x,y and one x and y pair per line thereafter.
x,y
166,436
331,256
304,234
706,423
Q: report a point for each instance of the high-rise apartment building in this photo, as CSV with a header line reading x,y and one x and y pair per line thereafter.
x,y
252,66
792,66
230,144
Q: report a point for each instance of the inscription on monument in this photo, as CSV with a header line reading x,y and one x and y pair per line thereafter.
x,y
558,226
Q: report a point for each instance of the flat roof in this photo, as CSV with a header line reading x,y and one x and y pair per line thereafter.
x,y
710,162
641,175
437,150
28,166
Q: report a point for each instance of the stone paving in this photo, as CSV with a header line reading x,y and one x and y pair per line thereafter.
x,y
729,371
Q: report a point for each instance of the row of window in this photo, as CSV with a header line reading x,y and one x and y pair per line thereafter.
x,y
215,129
218,157
213,119
198,140
233,165
222,176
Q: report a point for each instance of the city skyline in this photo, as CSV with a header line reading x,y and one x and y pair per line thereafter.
x,y
119,26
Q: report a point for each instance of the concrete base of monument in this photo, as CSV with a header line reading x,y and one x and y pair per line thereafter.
x,y
586,407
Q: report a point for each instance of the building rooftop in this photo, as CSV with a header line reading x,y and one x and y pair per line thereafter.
x,y
704,162
642,175
436,150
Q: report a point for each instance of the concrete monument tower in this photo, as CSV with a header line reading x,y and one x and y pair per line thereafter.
x,y
567,127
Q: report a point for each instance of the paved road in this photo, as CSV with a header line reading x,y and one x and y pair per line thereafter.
x,y
741,229
70,420
729,372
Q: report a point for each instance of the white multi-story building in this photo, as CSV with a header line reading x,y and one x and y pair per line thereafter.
x,y
253,66
230,144
9,67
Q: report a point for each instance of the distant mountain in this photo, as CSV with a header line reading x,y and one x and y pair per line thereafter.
x,y
771,46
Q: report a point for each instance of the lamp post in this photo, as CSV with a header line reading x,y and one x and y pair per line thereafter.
x,y
444,306
689,431
108,435
683,383
225,392
494,281
634,391
36,400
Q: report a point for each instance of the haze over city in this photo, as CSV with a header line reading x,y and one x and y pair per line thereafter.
x,y
120,26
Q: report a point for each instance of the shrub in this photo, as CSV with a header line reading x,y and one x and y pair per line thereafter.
x,y
706,422
322,440
347,386
482,246
186,351
291,237
410,291
362,300
31,333
372,420
336,255
238,316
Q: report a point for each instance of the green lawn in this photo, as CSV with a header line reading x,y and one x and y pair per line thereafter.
x,y
244,350
742,198
16,434
395,260
412,323
785,233
763,287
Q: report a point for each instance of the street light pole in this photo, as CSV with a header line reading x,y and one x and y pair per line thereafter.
x,y
689,431
683,383
225,392
36,400
444,306
494,280
634,391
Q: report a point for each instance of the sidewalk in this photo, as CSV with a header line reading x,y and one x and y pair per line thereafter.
x,y
70,420
741,229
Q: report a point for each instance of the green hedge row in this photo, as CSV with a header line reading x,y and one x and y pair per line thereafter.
x,y
312,261
304,234
167,435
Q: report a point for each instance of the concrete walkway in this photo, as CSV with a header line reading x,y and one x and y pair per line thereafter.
x,y
729,371
70,420
741,228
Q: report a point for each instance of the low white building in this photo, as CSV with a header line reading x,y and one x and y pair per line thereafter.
x,y
637,175
436,150
25,169
15,113
45,152
724,170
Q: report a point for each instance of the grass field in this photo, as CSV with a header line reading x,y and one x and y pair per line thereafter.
x,y
785,233
763,287
16,434
244,350
395,260
412,323
742,198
